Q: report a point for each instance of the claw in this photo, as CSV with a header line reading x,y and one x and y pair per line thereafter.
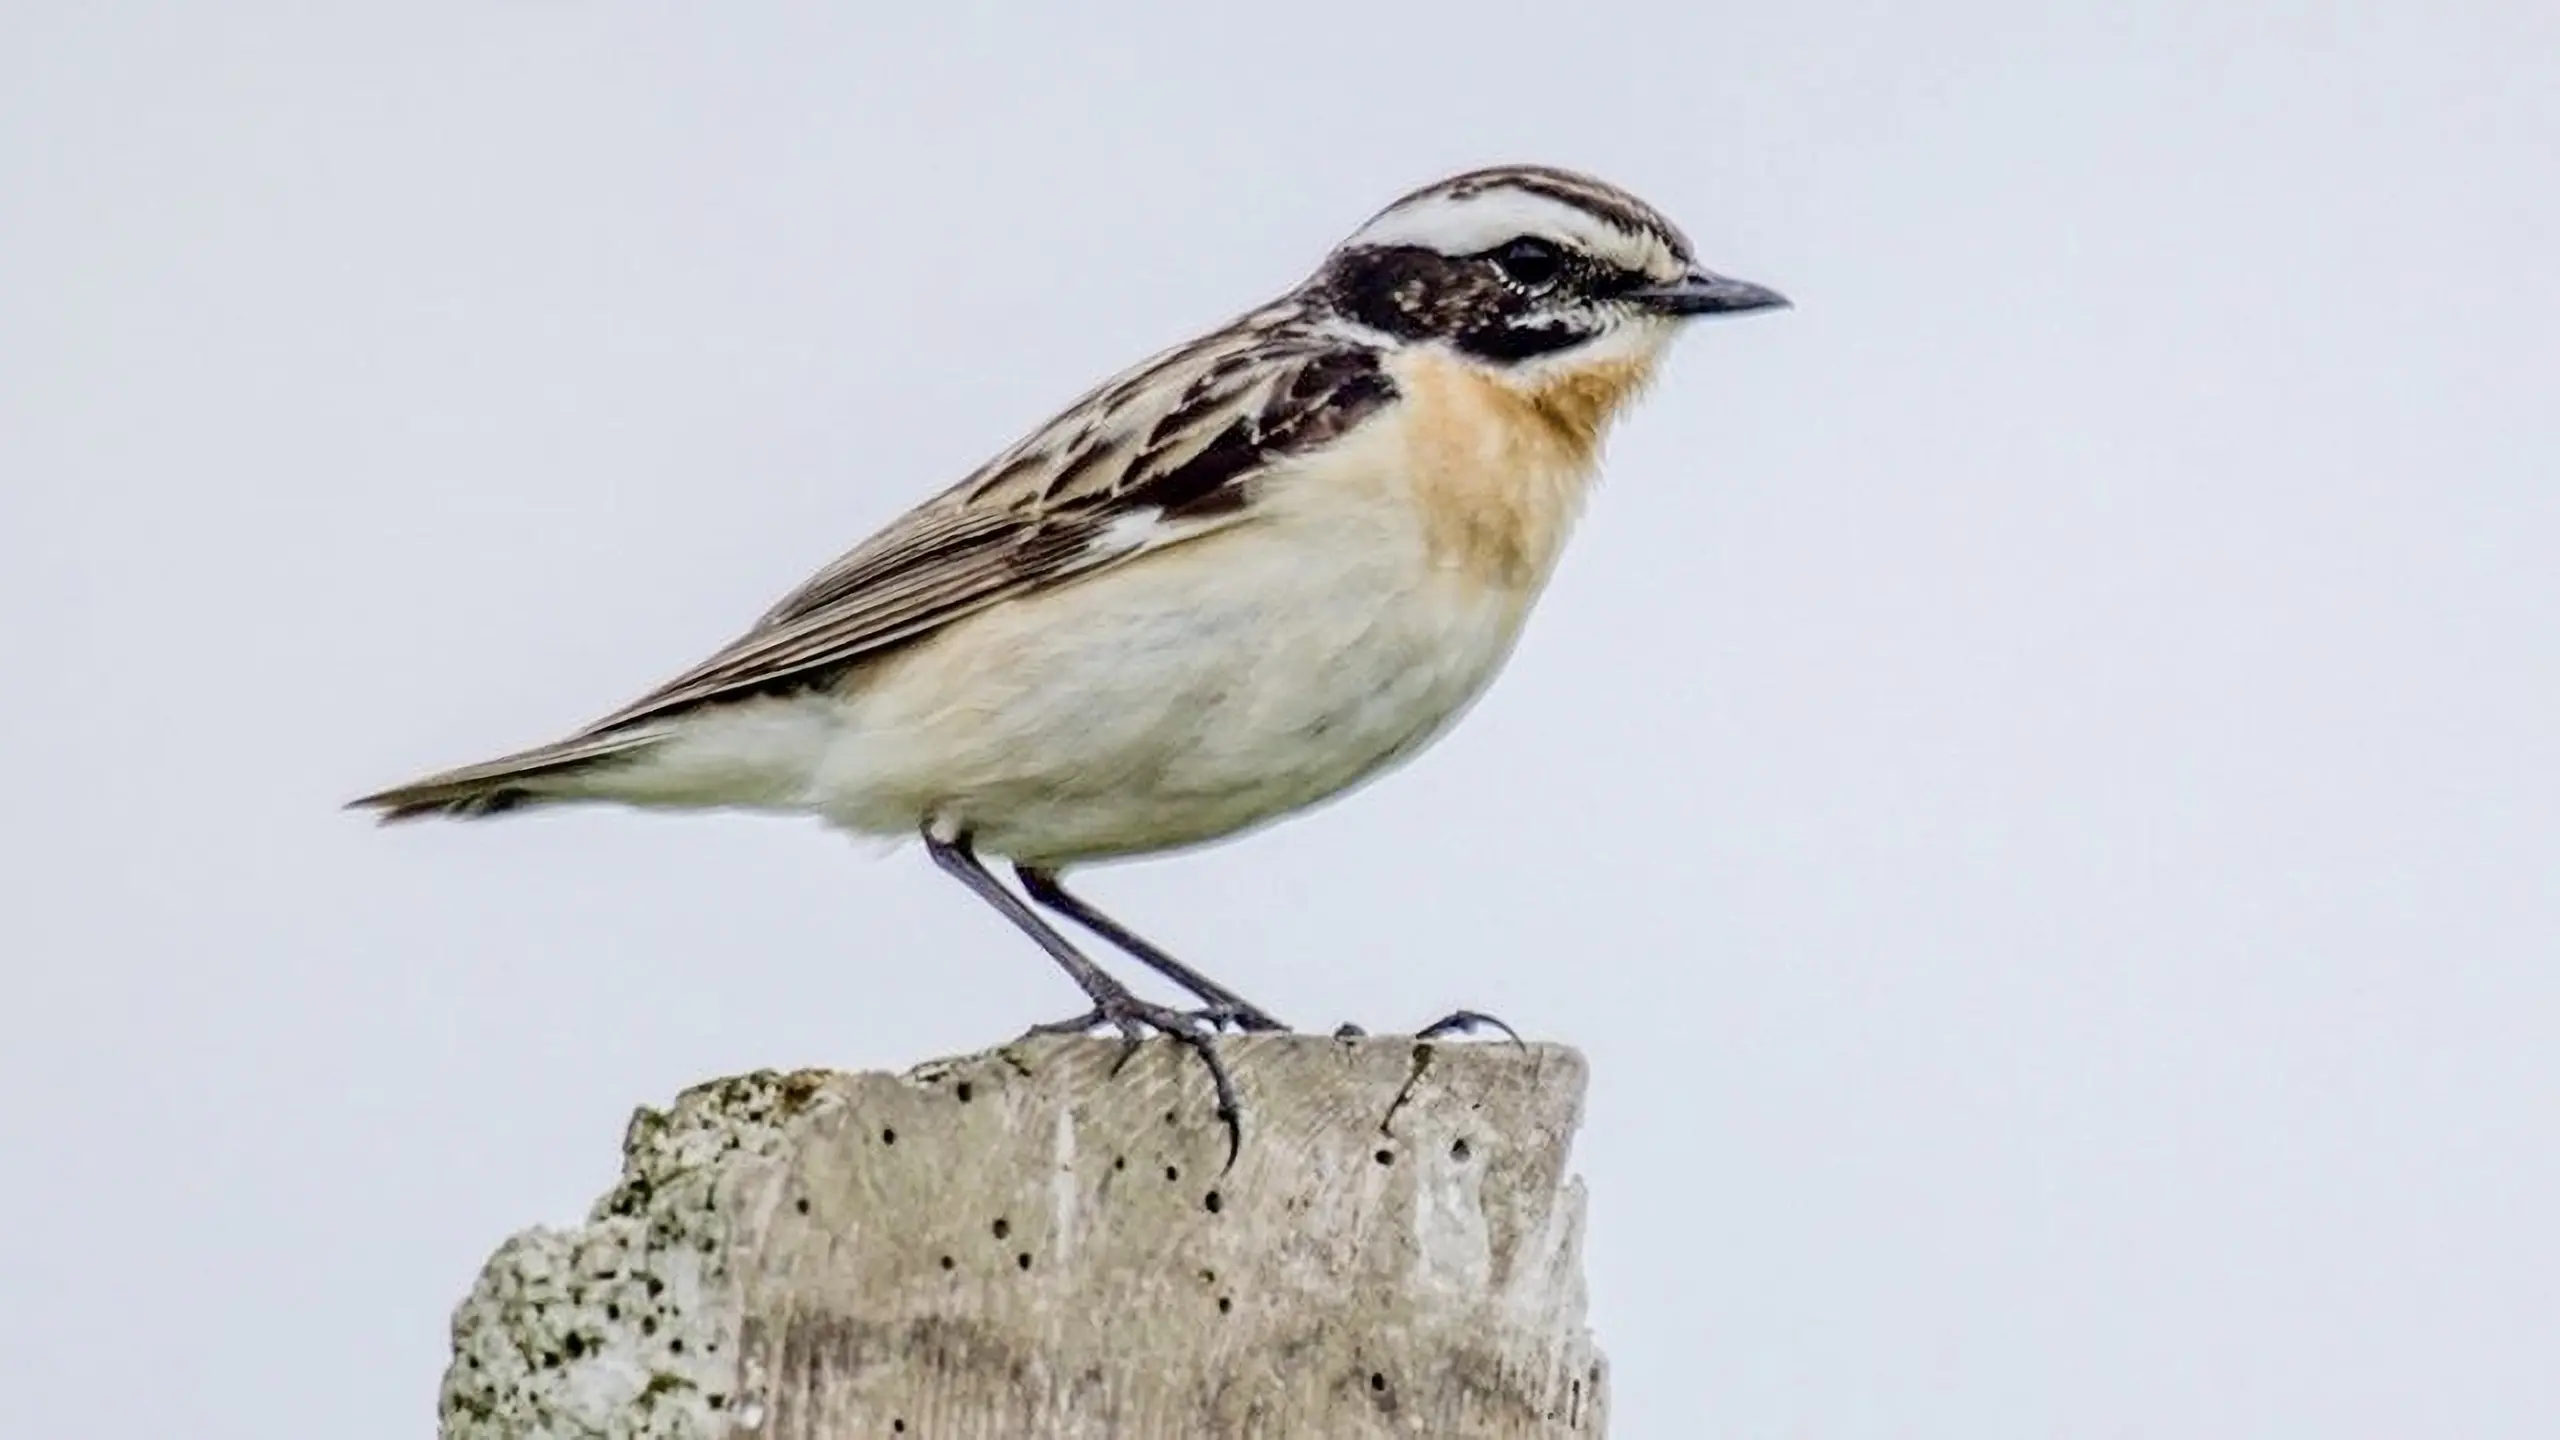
x,y
1456,1022
1467,1022
1135,1019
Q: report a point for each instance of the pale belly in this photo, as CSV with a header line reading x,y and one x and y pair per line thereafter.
x,y
1192,694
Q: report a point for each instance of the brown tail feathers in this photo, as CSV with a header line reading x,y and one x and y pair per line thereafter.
x,y
510,782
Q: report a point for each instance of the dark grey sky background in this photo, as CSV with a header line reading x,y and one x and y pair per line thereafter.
x,y
2037,786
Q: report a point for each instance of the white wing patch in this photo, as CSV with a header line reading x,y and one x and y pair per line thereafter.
x,y
1133,531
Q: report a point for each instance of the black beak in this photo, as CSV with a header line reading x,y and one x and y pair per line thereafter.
x,y
1702,293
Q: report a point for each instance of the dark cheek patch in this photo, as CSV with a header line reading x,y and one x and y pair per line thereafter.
x,y
1414,293
1420,294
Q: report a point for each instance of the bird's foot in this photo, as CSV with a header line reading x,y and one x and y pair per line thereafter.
x,y
1136,1019
1240,1016
1217,1017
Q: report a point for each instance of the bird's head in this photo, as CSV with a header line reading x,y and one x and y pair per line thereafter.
x,y
1532,271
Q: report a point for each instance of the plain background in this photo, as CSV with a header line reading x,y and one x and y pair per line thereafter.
x,y
2035,786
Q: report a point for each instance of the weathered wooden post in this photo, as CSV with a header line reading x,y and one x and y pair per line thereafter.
x,y
1025,1244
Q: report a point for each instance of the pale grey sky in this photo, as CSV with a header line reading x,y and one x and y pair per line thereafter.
x,y
2037,786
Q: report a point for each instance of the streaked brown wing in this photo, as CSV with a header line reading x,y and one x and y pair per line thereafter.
x,y
1165,453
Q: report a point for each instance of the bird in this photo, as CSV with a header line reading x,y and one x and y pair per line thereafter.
x,y
1239,578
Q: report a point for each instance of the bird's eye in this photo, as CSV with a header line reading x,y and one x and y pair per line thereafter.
x,y
1529,263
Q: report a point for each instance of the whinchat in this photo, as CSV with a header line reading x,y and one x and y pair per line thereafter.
x,y
1235,580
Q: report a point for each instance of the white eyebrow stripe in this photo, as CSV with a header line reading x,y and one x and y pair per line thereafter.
x,y
1474,223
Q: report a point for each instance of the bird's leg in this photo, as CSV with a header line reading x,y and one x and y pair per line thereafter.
x,y
1225,1007
1113,1003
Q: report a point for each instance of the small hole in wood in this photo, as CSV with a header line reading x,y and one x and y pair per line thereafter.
x,y
1003,1227
801,1204
1119,1162
1173,1172
1459,1150
1022,1261
963,1091
948,1262
1213,1202
1377,1380
888,1137
1386,1157
1225,1304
